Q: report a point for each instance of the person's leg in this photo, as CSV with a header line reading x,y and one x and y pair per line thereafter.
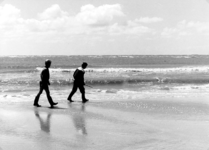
x,y
46,88
38,96
82,90
74,89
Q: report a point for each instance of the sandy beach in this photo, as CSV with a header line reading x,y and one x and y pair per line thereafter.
x,y
151,123
142,64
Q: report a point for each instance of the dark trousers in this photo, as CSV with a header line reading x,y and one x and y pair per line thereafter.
x,y
46,88
75,87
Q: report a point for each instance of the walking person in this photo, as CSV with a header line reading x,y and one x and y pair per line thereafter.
x,y
79,83
44,85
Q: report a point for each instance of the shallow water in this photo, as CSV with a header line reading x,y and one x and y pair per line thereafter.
x,y
118,74
144,124
137,102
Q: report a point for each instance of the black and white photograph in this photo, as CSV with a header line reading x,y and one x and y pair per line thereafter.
x,y
104,74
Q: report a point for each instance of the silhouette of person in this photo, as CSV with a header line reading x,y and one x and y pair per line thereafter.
x,y
79,83
44,85
79,120
44,124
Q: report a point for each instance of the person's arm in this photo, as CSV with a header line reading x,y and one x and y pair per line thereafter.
x,y
83,78
45,77
75,74
42,76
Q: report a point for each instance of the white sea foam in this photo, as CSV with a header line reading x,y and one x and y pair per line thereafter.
x,y
195,69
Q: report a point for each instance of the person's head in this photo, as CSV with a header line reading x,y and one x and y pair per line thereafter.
x,y
84,65
48,63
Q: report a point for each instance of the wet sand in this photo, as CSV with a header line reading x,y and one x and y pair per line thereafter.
x,y
146,124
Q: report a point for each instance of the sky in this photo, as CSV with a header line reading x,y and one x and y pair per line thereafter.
x,y
104,27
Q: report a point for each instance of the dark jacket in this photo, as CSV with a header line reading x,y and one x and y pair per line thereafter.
x,y
79,76
45,76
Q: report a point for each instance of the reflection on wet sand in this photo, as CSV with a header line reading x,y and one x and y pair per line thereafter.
x,y
79,118
44,124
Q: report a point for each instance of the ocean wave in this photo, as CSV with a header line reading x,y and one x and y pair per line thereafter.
x,y
193,69
109,81
121,70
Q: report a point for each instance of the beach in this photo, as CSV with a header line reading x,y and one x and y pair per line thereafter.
x,y
104,75
135,103
153,122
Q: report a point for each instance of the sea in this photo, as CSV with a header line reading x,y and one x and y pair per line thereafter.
x,y
108,77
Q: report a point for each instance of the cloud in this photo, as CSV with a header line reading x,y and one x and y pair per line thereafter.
x,y
10,19
133,27
53,12
169,32
149,20
56,23
52,19
9,13
99,16
129,28
200,27
187,28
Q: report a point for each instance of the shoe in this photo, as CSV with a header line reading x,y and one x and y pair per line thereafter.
x,y
85,100
37,105
70,100
52,105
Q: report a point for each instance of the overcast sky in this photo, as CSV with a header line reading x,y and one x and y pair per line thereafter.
x,y
104,27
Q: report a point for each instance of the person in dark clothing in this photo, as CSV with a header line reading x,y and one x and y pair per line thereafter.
x,y
79,82
44,85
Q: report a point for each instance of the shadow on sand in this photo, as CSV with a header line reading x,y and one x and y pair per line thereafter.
x,y
56,107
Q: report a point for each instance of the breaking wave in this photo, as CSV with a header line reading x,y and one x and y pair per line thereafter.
x,y
154,70
110,81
